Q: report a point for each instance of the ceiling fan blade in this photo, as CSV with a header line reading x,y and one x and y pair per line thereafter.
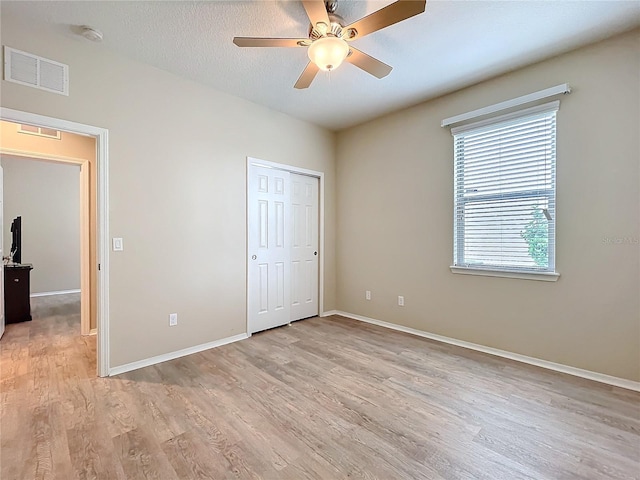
x,y
316,11
307,76
268,42
394,13
367,63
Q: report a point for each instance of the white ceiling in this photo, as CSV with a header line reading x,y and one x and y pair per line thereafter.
x,y
452,45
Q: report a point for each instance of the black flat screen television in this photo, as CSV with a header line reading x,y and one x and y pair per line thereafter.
x,y
16,240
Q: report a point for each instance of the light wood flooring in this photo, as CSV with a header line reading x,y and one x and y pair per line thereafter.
x,y
323,399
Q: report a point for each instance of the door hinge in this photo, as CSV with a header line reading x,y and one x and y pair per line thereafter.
x,y
98,266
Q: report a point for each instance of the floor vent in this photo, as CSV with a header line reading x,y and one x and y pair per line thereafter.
x,y
34,71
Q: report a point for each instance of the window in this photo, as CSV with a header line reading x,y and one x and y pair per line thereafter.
x,y
504,188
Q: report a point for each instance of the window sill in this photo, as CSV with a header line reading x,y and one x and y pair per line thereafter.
x,y
542,276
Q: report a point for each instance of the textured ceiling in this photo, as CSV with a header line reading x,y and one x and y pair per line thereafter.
x,y
452,45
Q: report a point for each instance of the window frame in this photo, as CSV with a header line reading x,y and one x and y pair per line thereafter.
x,y
459,203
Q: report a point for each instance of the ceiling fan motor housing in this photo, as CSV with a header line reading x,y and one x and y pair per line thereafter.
x,y
334,29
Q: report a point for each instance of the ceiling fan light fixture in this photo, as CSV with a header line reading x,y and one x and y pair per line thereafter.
x,y
328,52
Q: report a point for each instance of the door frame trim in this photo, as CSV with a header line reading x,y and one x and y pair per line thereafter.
x,y
299,171
102,160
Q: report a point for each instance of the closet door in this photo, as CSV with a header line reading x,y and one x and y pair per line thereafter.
x,y
269,248
304,246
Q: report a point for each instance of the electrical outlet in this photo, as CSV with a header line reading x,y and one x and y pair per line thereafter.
x,y
117,244
401,300
173,319
367,294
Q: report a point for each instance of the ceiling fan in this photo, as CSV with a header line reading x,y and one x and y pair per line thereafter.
x,y
328,36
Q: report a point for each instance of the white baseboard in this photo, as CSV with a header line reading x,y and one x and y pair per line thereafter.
x,y
57,292
577,372
329,313
173,355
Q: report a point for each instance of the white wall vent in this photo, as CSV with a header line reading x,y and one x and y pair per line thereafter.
x,y
34,71
39,131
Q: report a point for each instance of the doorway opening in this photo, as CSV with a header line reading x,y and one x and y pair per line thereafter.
x,y
41,185
50,184
93,188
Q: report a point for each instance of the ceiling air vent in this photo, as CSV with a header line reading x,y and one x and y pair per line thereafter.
x,y
28,69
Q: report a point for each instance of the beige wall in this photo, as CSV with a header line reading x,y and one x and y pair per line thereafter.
x,y
47,196
395,220
177,184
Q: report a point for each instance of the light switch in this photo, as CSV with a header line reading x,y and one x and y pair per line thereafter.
x,y
117,245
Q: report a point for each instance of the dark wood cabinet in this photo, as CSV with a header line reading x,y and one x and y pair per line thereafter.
x,y
17,305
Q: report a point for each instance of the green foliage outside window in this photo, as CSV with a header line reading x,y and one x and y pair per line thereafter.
x,y
536,234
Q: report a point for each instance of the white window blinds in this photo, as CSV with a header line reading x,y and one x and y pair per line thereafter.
x,y
505,170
